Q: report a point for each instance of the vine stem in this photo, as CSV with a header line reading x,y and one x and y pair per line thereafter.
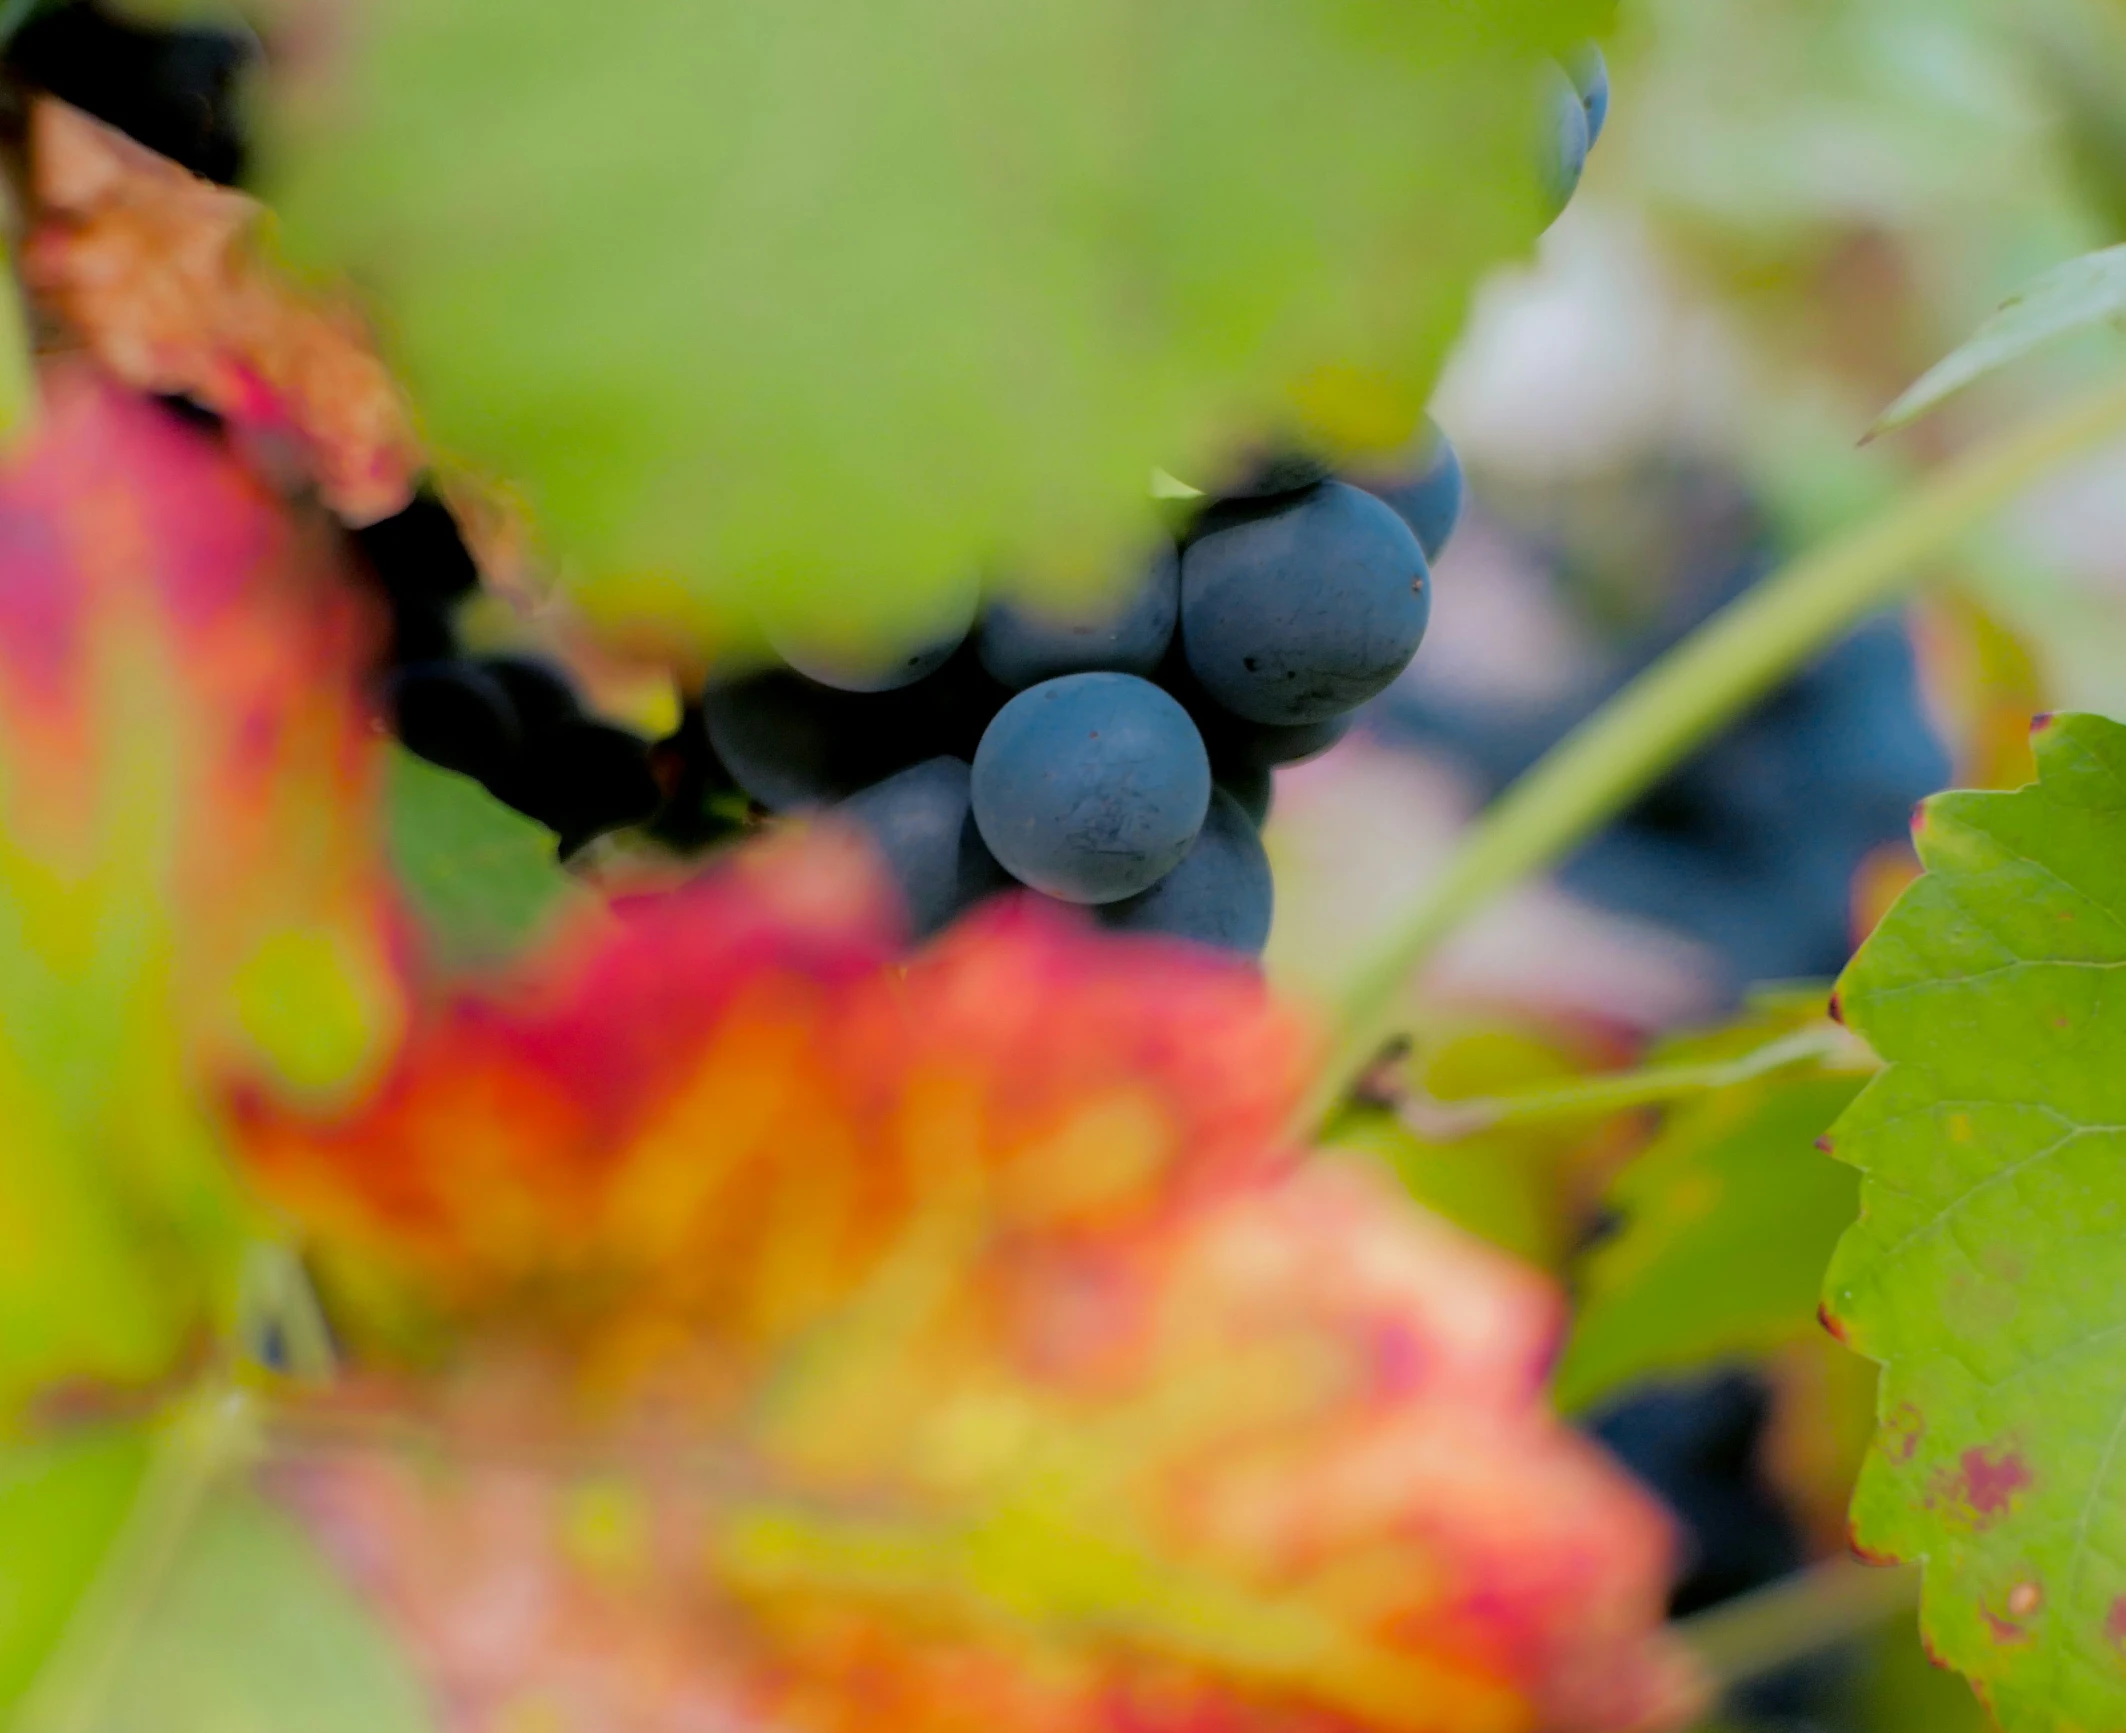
x,y
1789,1620
1731,661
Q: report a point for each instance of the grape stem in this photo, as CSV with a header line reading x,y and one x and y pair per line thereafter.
x,y
1795,1617
1731,661
1829,1047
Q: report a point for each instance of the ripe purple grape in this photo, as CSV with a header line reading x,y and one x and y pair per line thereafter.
x,y
920,822
1299,614
1221,894
1022,645
1091,787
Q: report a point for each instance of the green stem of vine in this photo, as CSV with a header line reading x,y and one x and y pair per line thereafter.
x,y
1798,1616
1729,663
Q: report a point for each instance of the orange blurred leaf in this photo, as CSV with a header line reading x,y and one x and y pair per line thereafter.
x,y
814,1342
161,274
187,879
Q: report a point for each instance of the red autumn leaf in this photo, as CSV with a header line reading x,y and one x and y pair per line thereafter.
x,y
160,273
187,879
812,1343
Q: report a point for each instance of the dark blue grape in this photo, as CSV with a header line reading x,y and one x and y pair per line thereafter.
x,y
173,88
1589,72
1428,495
1091,787
1253,790
418,555
421,632
919,818
1022,646
454,714
1697,1445
582,780
1220,894
538,692
1297,615
791,742
1564,139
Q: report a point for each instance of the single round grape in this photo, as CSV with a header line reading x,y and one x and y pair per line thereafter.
x,y
584,779
1301,614
791,742
538,691
418,554
920,821
1589,72
176,89
830,661
1221,894
1022,645
1091,787
1428,494
1565,139
1239,745
457,715
1252,790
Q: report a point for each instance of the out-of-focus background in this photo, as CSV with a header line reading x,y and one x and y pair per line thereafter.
x,y
1796,209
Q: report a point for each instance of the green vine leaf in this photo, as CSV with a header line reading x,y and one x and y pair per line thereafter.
x,y
2086,291
1985,1273
1728,1219
481,879
817,309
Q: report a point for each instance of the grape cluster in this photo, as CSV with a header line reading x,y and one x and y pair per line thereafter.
x,y
173,88
1117,759
513,723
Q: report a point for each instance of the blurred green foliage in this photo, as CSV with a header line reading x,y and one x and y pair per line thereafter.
x,y
810,310
481,880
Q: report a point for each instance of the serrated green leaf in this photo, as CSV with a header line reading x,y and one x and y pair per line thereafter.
x,y
253,1633
816,308
61,1502
482,880
2090,290
1985,1273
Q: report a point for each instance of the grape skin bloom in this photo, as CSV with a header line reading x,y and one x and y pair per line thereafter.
x,y
1091,787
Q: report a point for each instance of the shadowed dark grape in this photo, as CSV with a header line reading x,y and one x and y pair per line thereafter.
x,y
173,88
1297,615
1252,790
921,822
584,779
1021,645
418,555
1220,894
788,741
1428,496
538,692
456,715
1091,787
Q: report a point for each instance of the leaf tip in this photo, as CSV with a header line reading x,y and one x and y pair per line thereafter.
x,y
1833,1325
2043,720
1835,1010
